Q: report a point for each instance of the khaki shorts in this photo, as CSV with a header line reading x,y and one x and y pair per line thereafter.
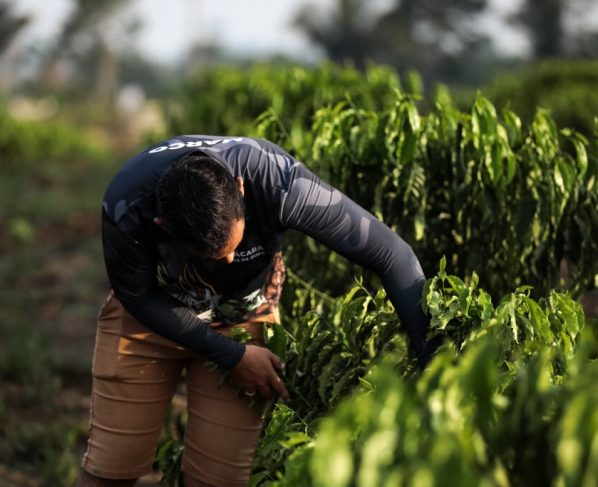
x,y
135,375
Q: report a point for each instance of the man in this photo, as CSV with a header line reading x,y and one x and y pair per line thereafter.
x,y
192,231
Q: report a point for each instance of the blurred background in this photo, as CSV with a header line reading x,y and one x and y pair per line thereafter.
x,y
84,84
60,57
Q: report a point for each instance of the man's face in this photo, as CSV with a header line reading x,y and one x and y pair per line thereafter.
x,y
227,254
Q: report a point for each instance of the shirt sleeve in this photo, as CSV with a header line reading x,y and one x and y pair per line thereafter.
x,y
331,218
131,266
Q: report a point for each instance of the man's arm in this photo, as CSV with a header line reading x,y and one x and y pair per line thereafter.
x,y
131,268
330,217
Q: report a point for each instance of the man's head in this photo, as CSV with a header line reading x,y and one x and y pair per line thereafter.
x,y
201,205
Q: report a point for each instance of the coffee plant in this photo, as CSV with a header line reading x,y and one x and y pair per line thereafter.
x,y
517,203
510,207
508,400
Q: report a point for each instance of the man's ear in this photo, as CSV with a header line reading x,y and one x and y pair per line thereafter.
x,y
158,221
240,184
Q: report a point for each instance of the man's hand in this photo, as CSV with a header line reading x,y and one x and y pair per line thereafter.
x,y
256,371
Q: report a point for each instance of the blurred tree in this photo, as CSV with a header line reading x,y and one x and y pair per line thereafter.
x,y
92,39
346,35
559,28
582,28
135,69
428,36
439,39
543,22
586,45
10,25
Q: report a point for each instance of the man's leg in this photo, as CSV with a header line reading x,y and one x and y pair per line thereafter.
x,y
223,430
224,425
135,374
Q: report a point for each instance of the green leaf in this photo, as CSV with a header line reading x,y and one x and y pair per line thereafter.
x,y
277,340
295,438
580,143
442,266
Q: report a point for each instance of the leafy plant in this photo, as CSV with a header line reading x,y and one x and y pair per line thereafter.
x,y
498,405
513,201
508,202
564,87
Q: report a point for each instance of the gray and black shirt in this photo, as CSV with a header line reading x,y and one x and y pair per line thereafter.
x,y
178,295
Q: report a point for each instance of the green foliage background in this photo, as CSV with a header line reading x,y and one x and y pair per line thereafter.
x,y
565,88
51,179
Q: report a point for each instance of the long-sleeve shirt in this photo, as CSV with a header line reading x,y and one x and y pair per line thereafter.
x,y
178,295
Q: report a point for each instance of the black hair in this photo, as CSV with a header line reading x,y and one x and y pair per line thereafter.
x,y
198,203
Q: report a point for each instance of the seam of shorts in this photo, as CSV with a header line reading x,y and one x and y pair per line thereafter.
x,y
225,424
211,479
89,427
93,469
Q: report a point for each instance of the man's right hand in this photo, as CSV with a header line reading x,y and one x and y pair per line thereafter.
x,y
257,372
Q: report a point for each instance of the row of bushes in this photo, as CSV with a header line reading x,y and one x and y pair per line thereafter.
x,y
566,88
227,100
26,143
509,400
508,200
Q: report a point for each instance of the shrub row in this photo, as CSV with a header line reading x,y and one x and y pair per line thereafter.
x,y
507,201
510,201
566,88
24,144
228,100
508,400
